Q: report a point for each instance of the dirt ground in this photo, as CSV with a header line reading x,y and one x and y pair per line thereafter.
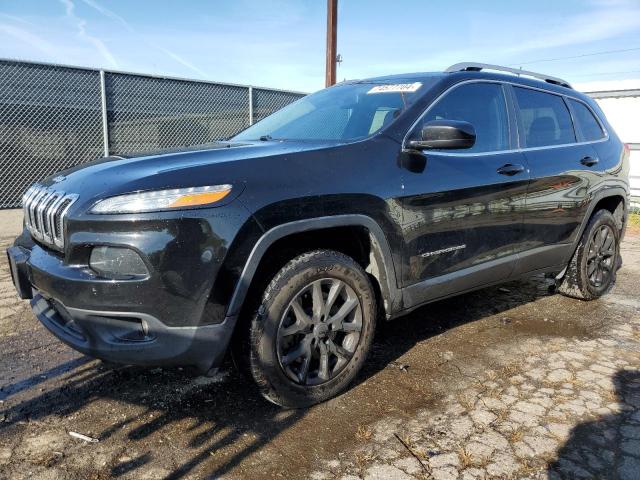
x,y
507,382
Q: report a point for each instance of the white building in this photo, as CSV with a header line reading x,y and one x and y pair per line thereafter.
x,y
622,108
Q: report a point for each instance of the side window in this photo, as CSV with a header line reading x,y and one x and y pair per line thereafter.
x,y
545,118
483,106
587,126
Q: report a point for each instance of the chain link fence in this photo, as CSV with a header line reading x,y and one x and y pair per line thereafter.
x,y
53,117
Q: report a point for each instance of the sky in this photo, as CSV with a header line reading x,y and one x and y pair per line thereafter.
x,y
594,44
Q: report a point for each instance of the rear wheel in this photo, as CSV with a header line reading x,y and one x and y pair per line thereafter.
x,y
313,329
592,270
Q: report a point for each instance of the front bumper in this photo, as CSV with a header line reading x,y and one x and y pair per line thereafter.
x,y
108,320
134,338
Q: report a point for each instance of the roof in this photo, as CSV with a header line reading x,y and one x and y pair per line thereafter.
x,y
470,75
400,77
474,70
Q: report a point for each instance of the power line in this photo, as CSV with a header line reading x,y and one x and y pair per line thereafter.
x,y
606,73
606,52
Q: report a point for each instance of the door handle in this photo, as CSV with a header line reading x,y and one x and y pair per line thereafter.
x,y
589,161
511,169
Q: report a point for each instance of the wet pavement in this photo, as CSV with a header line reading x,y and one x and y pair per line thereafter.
x,y
507,382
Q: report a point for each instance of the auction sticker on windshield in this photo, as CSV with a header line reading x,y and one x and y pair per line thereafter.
x,y
396,87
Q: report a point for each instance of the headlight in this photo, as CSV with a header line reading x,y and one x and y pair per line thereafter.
x,y
162,199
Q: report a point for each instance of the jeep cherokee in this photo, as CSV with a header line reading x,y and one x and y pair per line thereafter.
x,y
363,201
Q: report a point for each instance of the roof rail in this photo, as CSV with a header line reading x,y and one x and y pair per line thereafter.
x,y
476,67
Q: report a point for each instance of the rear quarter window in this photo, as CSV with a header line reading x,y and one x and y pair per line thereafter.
x,y
587,127
545,118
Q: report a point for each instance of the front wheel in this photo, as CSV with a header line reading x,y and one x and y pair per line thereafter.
x,y
313,330
592,270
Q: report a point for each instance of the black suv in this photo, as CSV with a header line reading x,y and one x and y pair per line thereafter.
x,y
359,202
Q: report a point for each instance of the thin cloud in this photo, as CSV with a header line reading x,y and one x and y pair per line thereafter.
x,y
81,25
13,18
118,19
182,61
30,39
109,14
597,25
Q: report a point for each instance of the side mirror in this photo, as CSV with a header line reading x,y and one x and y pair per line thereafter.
x,y
445,134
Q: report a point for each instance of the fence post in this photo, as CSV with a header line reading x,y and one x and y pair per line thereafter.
x,y
250,105
105,122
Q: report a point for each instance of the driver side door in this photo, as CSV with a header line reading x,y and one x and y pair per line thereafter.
x,y
463,214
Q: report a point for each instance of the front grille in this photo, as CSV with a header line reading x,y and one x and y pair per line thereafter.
x,y
44,212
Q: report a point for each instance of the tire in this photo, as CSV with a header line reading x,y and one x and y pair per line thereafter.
x,y
579,280
295,360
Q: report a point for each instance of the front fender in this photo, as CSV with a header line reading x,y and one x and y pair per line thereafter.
x,y
380,246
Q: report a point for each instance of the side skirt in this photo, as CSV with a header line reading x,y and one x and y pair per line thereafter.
x,y
495,272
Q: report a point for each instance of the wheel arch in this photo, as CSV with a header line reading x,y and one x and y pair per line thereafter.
x,y
615,204
380,262
613,199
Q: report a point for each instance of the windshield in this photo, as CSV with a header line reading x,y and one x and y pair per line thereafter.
x,y
344,112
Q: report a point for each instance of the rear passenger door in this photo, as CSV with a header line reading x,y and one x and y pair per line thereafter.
x,y
562,171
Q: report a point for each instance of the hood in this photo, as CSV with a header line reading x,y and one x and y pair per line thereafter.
x,y
212,164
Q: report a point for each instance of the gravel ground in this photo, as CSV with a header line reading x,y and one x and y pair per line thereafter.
x,y
506,382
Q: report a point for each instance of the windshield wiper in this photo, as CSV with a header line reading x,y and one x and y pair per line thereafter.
x,y
266,138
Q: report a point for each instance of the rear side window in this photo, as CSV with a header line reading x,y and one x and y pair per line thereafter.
x,y
587,126
545,118
483,106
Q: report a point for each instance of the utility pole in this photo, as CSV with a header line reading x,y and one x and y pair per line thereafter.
x,y
332,39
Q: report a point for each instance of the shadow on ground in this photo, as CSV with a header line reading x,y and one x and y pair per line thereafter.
x,y
608,447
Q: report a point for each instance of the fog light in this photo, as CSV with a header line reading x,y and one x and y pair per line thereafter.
x,y
117,263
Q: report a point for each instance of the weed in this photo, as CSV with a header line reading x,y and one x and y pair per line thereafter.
x,y
364,433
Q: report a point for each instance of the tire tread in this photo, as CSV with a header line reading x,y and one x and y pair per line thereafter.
x,y
304,261
574,284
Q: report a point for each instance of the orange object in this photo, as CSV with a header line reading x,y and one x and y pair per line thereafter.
x,y
199,199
